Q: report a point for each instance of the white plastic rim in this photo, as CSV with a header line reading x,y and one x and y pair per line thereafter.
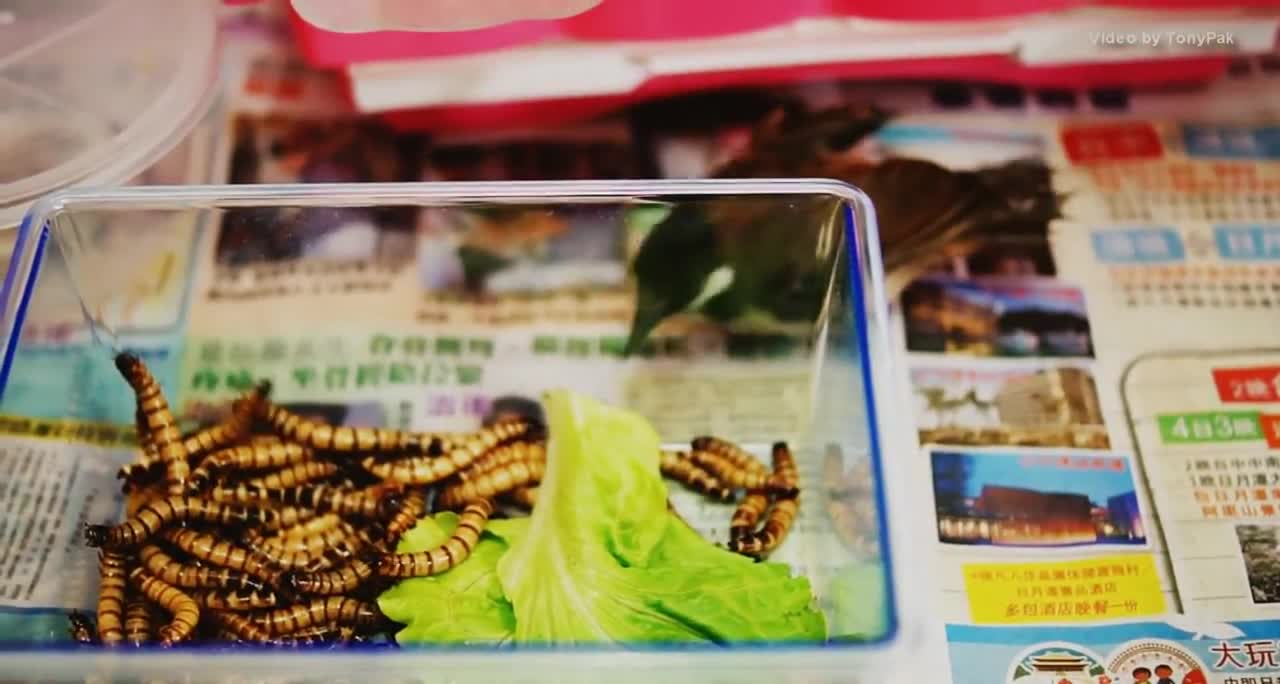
x,y
159,124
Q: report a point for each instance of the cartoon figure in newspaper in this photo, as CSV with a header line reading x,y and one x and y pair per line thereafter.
x,y
1157,662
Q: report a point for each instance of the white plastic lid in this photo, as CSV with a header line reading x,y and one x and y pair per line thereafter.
x,y
93,91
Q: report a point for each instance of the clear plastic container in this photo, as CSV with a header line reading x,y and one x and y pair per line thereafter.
x,y
93,91
827,338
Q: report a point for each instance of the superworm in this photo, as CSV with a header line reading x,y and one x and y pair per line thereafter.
x,y
429,470
241,626
785,478
776,526
137,622
294,560
748,513
323,634
234,428
113,571
164,567
147,465
739,457
678,467
366,503
413,505
336,540
212,549
320,612
81,628
294,475
292,427
508,453
316,525
160,513
289,516
183,610
234,600
449,554
728,471
251,457
492,483
526,497
343,580
162,429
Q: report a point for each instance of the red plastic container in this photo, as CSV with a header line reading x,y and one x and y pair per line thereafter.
x,y
680,19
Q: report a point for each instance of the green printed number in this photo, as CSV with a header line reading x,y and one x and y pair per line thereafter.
x,y
1209,426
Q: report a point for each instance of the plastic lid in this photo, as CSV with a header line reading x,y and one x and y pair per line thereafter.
x,y
93,91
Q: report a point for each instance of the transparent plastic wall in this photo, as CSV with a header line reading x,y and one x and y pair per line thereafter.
x,y
748,310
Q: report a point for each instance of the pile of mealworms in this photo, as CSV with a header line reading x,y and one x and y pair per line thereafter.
x,y
274,529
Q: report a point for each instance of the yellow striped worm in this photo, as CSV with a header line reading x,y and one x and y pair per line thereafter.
x,y
160,513
526,497
217,551
728,472
413,505
748,513
785,479
324,437
294,475
183,610
81,628
507,453
240,626
234,599
776,526
137,622
456,549
249,457
342,580
162,428
113,573
429,470
734,454
679,468
171,571
491,484
319,612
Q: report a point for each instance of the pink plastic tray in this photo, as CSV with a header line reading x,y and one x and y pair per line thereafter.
x,y
683,19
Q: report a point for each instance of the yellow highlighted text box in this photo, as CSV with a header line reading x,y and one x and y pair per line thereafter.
x,y
1102,588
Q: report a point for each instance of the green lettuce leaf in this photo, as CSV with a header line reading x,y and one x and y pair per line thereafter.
x,y
603,561
462,606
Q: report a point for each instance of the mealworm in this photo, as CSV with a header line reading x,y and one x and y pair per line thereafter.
x,y
785,478
320,612
524,496
288,516
113,573
429,470
137,622
776,526
736,455
509,453
748,514
294,475
294,560
162,428
343,580
413,505
81,628
234,428
146,467
316,525
364,503
160,513
678,467
336,540
211,549
493,483
241,626
292,427
164,567
234,600
251,457
183,610
323,634
449,554
728,472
